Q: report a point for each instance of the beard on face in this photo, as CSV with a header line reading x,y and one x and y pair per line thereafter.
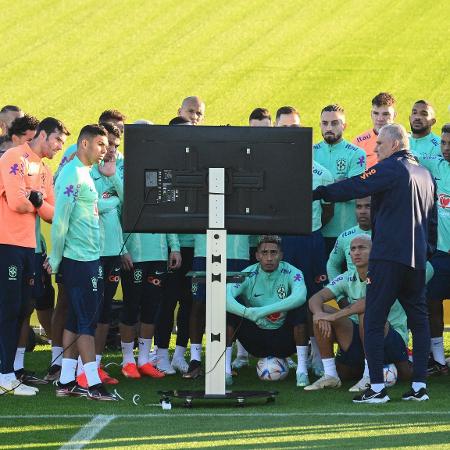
x,y
418,128
331,139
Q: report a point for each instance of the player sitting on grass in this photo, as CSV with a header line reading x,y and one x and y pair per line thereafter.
x,y
344,326
267,311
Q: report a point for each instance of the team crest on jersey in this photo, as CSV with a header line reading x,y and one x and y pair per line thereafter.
x,y
12,273
94,283
137,275
444,201
341,165
281,291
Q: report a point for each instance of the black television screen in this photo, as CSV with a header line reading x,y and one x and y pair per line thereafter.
x,y
268,175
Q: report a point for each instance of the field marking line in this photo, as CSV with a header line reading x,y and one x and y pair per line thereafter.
x,y
173,414
88,432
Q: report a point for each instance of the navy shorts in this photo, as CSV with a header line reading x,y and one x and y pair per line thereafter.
x,y
43,292
439,286
354,355
199,265
83,292
262,343
394,347
307,253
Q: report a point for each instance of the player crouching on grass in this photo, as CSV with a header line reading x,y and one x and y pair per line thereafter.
x,y
75,254
344,326
267,311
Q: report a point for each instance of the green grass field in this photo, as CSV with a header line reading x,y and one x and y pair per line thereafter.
x,y
297,419
73,60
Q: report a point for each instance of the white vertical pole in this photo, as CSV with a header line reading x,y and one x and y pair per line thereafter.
x,y
216,278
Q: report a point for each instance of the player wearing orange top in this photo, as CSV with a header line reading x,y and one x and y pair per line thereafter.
x,y
24,193
382,113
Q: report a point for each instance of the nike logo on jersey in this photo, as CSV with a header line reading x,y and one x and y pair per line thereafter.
x,y
257,295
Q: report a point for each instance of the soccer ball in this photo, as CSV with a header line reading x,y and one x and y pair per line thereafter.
x,y
390,375
272,368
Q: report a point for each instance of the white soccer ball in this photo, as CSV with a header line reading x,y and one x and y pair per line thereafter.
x,y
272,368
390,375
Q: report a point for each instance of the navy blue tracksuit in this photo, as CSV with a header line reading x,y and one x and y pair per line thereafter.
x,y
404,236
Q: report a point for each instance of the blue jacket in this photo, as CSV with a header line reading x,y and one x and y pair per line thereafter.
x,y
403,208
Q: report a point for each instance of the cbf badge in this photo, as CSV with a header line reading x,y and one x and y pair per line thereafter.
x,y
281,292
341,165
12,273
137,275
94,283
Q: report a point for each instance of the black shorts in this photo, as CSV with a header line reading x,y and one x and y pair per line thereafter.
x,y
262,343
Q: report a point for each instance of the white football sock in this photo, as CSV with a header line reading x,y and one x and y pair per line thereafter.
x,y
7,377
196,352
68,367
127,353
57,356
329,367
417,385
179,352
19,358
241,352
377,387
144,351
80,368
162,354
437,348
302,358
91,371
366,370
228,354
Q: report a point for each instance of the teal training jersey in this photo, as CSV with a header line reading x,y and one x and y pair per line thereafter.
x,y
349,285
341,251
65,159
110,201
144,247
75,230
237,246
186,240
272,293
440,169
343,160
429,145
321,177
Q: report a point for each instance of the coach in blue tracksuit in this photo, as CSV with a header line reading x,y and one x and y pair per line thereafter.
x,y
404,236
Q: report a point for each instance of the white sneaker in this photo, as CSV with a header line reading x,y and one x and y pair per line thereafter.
x,y
15,387
324,382
180,365
239,362
164,366
361,385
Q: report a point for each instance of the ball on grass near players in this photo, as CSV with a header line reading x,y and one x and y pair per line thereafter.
x,y
390,374
272,368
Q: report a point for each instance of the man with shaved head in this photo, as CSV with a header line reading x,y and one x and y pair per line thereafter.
x,y
193,110
404,237
422,141
7,116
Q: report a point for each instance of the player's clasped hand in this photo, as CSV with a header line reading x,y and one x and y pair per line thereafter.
x,y
36,198
108,168
252,314
174,260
